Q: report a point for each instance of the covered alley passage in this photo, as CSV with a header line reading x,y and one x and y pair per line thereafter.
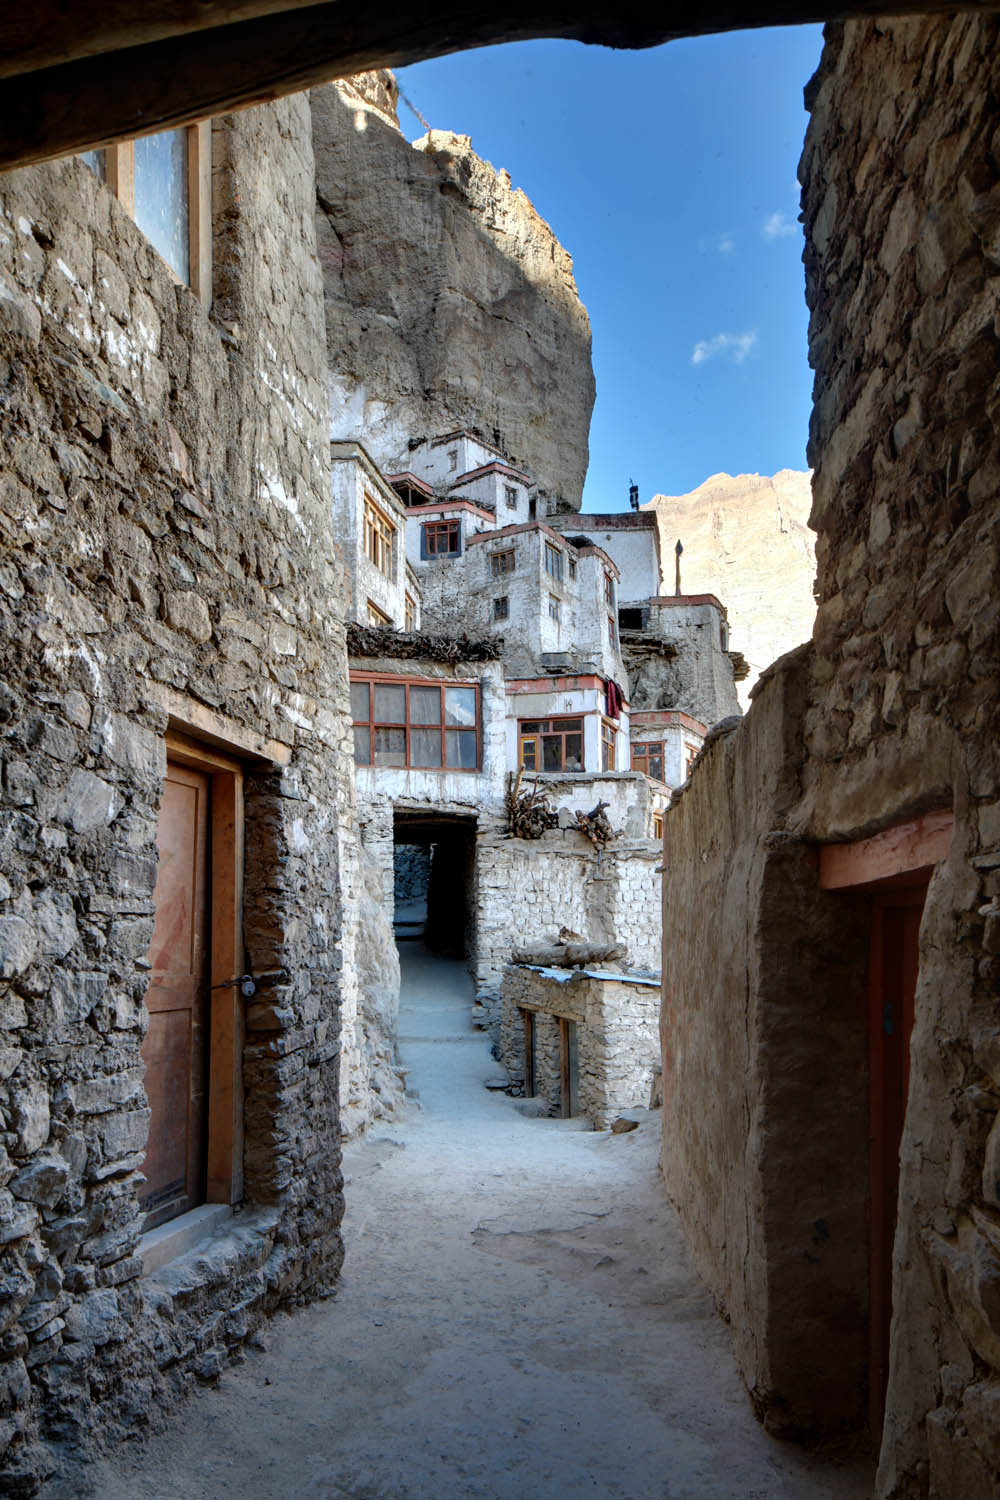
x,y
516,1318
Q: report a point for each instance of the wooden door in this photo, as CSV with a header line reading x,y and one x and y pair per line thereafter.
x,y
175,1050
896,913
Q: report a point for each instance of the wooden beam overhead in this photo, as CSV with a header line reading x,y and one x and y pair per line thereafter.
x,y
101,93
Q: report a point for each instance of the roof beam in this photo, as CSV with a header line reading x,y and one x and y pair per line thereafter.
x,y
104,95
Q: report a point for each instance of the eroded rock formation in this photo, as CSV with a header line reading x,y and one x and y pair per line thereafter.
x,y
449,300
746,540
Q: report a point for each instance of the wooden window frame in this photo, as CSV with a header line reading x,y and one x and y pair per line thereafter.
x,y
431,531
380,537
119,176
503,563
572,566
691,753
535,739
371,724
554,562
378,617
225,1117
510,496
501,607
410,613
641,752
658,826
555,612
609,744
609,590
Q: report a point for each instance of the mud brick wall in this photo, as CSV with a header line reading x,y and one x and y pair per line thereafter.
x,y
890,711
164,524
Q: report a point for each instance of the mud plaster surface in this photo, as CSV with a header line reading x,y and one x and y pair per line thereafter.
x,y
516,1318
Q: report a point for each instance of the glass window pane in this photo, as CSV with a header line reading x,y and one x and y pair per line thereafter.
x,y
390,747
533,726
570,726
656,764
161,195
359,701
362,747
425,747
574,752
390,703
529,750
552,753
461,748
460,706
425,705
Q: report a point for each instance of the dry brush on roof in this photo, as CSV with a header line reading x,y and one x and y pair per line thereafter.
x,y
410,645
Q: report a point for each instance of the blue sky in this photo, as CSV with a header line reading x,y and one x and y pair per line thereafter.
x,y
669,175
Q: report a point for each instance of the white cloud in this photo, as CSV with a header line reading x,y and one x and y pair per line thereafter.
x,y
778,226
735,346
724,243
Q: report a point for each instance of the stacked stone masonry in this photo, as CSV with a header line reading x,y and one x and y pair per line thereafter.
x,y
891,710
166,560
616,1041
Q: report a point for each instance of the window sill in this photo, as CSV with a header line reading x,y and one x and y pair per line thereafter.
x,y
167,1241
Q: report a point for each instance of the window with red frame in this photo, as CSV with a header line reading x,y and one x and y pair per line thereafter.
x,y
441,539
648,757
422,725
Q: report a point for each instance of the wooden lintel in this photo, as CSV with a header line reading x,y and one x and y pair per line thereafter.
x,y
115,95
189,717
906,849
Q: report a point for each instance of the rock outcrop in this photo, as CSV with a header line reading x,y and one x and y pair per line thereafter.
x,y
746,540
449,300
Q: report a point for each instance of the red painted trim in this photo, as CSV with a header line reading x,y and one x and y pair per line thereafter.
x,y
906,849
408,477
554,684
495,466
644,716
519,526
672,599
450,505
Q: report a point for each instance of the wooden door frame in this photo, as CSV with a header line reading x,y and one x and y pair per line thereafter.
x,y
224,1115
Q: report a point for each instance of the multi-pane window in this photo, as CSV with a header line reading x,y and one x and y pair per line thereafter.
x,y
441,539
553,608
501,608
379,535
501,563
648,757
658,826
411,613
510,496
164,182
572,566
690,751
551,744
377,616
553,561
430,725
609,590
608,739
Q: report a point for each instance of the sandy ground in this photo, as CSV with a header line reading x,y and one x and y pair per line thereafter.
x,y
516,1319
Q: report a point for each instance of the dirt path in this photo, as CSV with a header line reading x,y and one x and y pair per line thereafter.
x,y
516,1319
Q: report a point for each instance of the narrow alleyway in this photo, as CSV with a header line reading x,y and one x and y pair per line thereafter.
x,y
516,1319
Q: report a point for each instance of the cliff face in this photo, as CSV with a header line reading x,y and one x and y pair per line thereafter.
x,y
746,540
449,301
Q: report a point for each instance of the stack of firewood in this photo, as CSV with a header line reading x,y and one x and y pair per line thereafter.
x,y
529,812
594,825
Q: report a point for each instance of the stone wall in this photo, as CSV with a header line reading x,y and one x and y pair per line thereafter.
x,y
890,711
164,505
529,889
618,1049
